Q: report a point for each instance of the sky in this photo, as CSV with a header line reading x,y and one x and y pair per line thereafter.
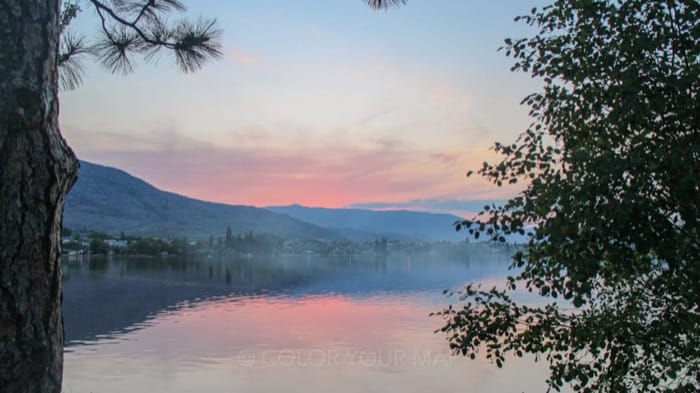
x,y
320,103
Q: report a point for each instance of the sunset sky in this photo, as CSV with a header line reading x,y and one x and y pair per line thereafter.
x,y
322,103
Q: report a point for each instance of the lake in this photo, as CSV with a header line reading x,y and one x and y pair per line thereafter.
x,y
271,324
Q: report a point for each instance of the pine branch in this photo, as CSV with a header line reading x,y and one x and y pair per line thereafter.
x,y
384,4
192,42
73,49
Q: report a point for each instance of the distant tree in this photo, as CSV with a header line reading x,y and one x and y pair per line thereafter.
x,y
380,246
185,245
98,246
248,241
67,232
612,169
264,244
98,235
72,245
229,237
211,242
150,246
37,168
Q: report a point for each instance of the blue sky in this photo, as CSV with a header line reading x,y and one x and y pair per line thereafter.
x,y
323,103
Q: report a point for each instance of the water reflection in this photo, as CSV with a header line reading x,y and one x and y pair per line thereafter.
x,y
292,323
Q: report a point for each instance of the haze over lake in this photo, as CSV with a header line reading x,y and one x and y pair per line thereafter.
x,y
294,324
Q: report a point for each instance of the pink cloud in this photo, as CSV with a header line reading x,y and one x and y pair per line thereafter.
x,y
330,176
242,57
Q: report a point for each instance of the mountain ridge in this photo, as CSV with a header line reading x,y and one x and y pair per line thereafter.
x,y
363,224
111,200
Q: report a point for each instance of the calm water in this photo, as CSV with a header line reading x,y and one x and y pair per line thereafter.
x,y
292,324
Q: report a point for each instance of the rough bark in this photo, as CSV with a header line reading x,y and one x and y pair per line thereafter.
x,y
37,169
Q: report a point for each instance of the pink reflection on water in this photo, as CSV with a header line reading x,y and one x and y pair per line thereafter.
x,y
298,344
283,322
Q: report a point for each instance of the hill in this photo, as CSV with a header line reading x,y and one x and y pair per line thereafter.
x,y
110,200
363,225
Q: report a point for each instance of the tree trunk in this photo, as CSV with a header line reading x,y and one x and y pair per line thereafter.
x,y
37,169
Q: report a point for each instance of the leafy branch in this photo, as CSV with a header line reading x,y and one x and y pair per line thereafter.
x,y
611,169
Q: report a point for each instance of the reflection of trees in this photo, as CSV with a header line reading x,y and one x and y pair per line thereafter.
x,y
135,289
380,263
98,266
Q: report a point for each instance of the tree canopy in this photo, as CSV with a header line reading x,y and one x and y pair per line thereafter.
x,y
610,163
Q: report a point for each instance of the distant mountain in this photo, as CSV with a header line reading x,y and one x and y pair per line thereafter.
x,y
111,200
364,225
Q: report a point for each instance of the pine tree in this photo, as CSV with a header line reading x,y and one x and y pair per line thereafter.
x,y
37,168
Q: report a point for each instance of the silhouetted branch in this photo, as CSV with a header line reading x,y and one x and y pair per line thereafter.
x,y
137,27
384,4
73,47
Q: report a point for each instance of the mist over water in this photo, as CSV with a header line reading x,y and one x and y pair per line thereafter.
x,y
296,323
